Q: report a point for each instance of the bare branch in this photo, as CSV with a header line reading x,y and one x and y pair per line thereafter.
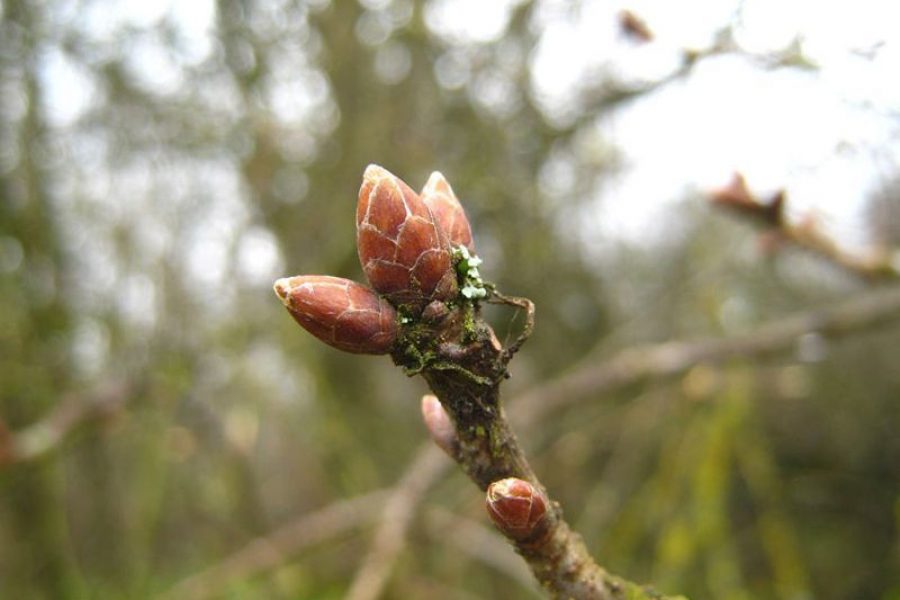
x,y
394,523
46,435
272,550
657,361
482,544
807,234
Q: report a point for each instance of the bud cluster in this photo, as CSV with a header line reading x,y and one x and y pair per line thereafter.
x,y
408,245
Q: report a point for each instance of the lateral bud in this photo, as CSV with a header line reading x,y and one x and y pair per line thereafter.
x,y
448,211
518,509
404,253
738,197
342,313
439,425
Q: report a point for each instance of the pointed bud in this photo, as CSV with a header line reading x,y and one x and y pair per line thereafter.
x,y
634,27
517,508
448,212
439,425
737,196
403,252
342,313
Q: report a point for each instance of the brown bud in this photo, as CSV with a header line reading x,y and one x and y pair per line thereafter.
x,y
448,212
737,196
403,252
634,27
517,508
439,425
340,312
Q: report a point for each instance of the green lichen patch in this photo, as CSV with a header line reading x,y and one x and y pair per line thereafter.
x,y
471,285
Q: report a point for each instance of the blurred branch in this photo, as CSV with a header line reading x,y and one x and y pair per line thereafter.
x,y
807,234
46,435
394,521
272,550
482,544
610,92
657,361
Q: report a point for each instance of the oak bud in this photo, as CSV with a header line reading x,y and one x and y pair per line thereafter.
x,y
404,254
448,212
340,312
517,508
738,197
439,425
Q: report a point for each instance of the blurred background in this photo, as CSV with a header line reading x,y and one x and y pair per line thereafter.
x,y
162,162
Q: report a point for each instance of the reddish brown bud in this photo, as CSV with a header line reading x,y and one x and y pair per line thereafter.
x,y
634,27
340,312
403,252
517,508
439,425
448,212
737,196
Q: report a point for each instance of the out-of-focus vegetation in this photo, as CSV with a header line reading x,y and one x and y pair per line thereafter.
x,y
159,168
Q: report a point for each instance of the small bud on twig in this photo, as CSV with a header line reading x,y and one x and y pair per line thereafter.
x,y
340,312
403,252
448,212
634,27
517,508
737,196
439,425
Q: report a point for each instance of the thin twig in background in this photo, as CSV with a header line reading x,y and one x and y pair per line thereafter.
x,y
39,439
657,361
395,519
482,544
807,234
272,550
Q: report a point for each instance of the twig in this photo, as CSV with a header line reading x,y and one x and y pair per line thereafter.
x,y
267,552
488,450
394,521
39,439
524,304
769,213
658,361
481,543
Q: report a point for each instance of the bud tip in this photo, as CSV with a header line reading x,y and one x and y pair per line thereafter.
x,y
439,425
434,179
374,173
283,290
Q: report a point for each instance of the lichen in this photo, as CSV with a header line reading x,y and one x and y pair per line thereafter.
x,y
471,285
